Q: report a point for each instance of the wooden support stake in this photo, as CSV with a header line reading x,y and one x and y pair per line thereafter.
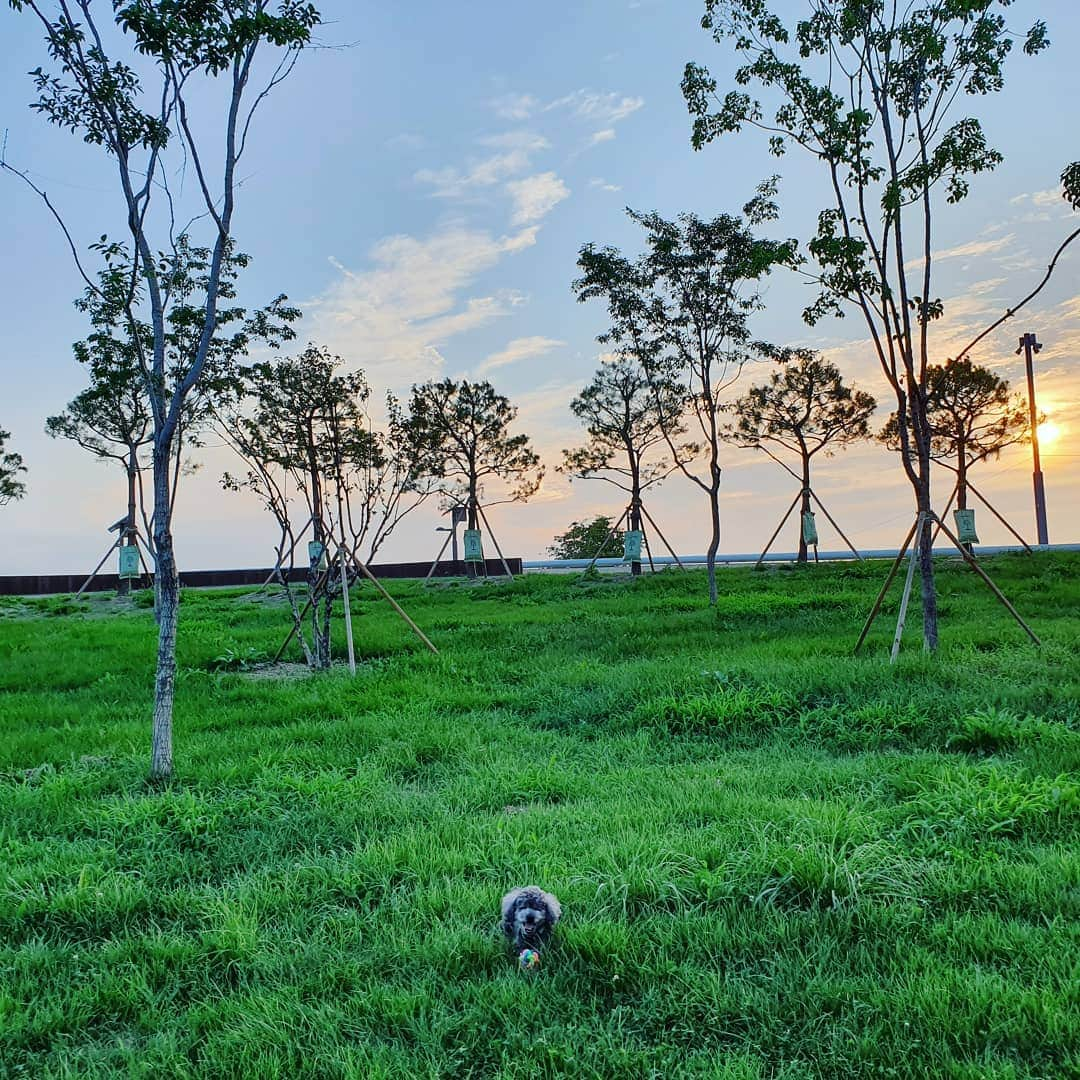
x,y
394,604
783,465
884,589
783,522
993,588
648,550
663,539
821,507
438,558
348,612
902,617
86,584
985,502
491,533
607,540
282,558
948,507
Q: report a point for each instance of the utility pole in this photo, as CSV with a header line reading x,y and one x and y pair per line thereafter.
x,y
1029,346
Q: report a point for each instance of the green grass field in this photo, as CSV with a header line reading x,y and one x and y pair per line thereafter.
x,y
775,859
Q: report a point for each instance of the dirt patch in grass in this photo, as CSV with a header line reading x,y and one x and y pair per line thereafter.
x,y
284,670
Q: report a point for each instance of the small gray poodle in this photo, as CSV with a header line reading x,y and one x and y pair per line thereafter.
x,y
528,917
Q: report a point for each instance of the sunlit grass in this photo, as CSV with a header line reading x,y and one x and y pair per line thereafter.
x,y
775,859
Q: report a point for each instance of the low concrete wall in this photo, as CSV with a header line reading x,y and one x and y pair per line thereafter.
x,y
43,584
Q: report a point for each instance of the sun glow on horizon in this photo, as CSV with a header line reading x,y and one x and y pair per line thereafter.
x,y
1048,432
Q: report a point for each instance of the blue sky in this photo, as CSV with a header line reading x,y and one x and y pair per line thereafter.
x,y
423,193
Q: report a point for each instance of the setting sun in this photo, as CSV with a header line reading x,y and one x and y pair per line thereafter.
x,y
1048,433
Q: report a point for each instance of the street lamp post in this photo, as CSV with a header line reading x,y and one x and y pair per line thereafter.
x,y
1029,346
457,516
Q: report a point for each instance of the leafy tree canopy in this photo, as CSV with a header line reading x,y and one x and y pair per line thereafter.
x,y
973,414
461,431
11,465
625,414
805,407
586,539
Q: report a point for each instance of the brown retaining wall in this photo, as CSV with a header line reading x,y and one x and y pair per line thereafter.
x,y
43,584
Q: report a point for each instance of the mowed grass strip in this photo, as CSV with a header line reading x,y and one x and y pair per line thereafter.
x,y
775,859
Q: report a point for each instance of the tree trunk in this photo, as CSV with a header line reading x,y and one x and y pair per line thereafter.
x,y
926,559
804,508
635,516
714,543
916,451
167,606
319,596
474,522
123,585
962,488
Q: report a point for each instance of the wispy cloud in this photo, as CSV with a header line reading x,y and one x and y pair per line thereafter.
x,y
1050,197
452,183
523,348
535,196
531,142
515,106
973,249
545,414
521,240
603,185
394,318
598,137
514,154
597,107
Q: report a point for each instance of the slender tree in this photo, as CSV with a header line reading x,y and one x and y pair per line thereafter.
x,y
111,421
462,434
806,408
11,465
684,308
302,429
624,413
973,415
112,418
871,90
176,51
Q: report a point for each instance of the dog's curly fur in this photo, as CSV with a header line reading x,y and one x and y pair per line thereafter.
x,y
528,917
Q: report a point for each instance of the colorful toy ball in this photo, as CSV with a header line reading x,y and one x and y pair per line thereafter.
x,y
528,959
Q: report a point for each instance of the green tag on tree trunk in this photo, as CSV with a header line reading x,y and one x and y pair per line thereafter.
x,y
316,554
631,546
809,528
474,549
965,526
129,561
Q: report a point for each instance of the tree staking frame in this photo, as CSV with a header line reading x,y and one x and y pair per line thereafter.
x,y
127,536
986,502
344,558
474,511
351,567
916,532
805,493
632,515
